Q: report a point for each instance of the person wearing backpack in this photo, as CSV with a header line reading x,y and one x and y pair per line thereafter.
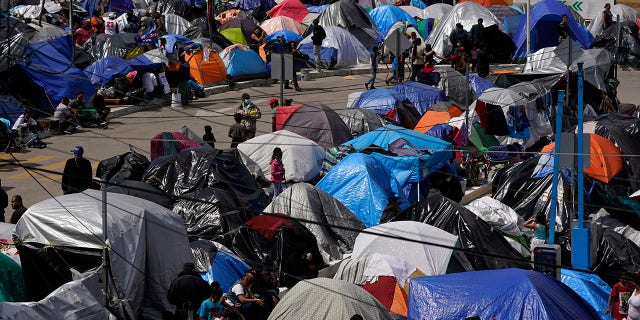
x,y
318,35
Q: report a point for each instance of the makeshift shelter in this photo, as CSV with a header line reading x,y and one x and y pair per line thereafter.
x,y
104,70
545,17
483,293
453,84
197,168
502,11
589,287
302,157
206,70
319,123
499,43
323,298
290,8
361,177
243,63
287,35
616,244
626,13
389,103
254,4
117,45
430,119
283,113
420,251
176,41
127,166
387,290
333,225
142,190
387,15
474,234
52,242
175,24
218,262
414,12
420,95
170,143
226,15
360,121
10,108
12,287
497,214
495,106
281,23
277,238
621,131
436,11
340,49
350,16
150,60
488,3
605,158
244,26
211,213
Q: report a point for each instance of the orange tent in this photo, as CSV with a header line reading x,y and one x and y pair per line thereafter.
x,y
606,159
486,3
430,119
206,72
389,293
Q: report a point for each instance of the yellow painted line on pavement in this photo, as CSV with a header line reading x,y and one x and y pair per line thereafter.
x,y
57,166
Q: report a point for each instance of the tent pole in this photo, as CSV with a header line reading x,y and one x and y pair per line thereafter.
x,y
556,169
528,29
105,259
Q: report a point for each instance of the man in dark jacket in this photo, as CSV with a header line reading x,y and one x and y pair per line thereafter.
x,y
77,174
18,209
458,35
187,291
318,35
478,34
4,202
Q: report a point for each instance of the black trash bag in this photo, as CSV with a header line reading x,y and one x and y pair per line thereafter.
x,y
285,241
197,168
128,166
616,255
211,214
624,132
473,232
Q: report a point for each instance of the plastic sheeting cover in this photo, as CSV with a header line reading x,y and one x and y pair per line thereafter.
x,y
473,232
350,51
219,263
127,166
497,214
432,260
321,298
302,157
421,95
501,294
385,16
360,121
116,45
624,132
348,15
590,287
334,226
319,123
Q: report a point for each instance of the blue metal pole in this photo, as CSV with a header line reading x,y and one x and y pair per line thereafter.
x,y
580,151
556,169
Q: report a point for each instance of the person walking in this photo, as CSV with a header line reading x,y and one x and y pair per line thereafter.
x,y
277,171
237,131
250,114
371,83
18,209
208,137
318,35
77,174
607,17
620,293
417,58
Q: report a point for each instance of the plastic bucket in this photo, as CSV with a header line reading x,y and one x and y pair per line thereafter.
x,y
176,100
304,74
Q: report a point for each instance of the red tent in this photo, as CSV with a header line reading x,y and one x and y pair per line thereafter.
x,y
283,113
168,143
293,9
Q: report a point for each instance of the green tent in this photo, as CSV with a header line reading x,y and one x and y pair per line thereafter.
x,y
11,281
480,139
234,35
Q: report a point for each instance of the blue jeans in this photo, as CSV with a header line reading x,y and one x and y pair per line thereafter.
x,y
277,188
372,81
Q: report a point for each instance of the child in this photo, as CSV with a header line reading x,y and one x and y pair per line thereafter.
x,y
273,104
212,307
541,227
236,132
209,137
620,293
370,84
277,171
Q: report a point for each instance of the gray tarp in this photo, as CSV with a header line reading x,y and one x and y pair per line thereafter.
x,y
148,242
78,299
323,298
175,24
349,15
360,121
307,202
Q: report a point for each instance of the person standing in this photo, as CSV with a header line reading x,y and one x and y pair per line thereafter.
x,y
458,36
540,225
607,17
187,291
620,292
417,58
563,28
4,202
298,58
208,137
277,171
237,131
77,174
371,83
250,115
318,35
478,34
273,104
18,209
634,302
110,25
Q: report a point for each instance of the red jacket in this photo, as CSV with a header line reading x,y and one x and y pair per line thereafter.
x,y
277,171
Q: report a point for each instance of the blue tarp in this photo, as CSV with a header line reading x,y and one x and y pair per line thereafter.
x,y
244,64
50,67
10,109
511,23
590,287
479,84
418,4
254,4
386,15
317,9
545,17
328,55
104,70
288,36
172,39
381,101
364,185
120,6
440,150
226,269
499,294
421,95
440,131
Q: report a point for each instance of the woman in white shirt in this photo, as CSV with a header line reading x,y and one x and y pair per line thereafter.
x,y
634,303
241,297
